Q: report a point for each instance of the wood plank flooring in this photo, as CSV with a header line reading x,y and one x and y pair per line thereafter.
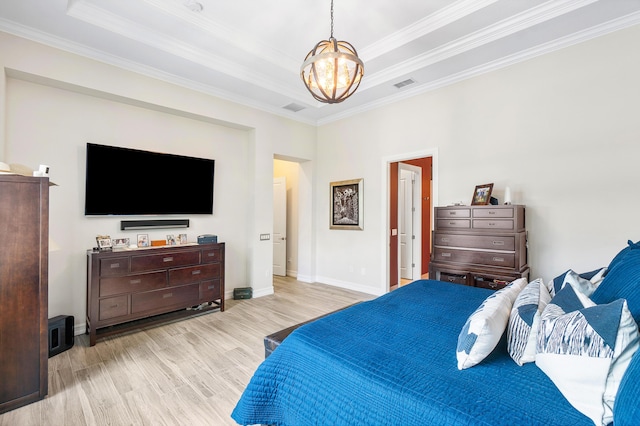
x,y
190,372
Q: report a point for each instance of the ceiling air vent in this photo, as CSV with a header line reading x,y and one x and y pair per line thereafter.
x,y
404,83
294,107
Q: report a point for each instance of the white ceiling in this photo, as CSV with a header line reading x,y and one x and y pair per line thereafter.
x,y
250,51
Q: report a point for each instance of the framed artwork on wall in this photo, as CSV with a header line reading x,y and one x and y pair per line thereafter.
x,y
482,195
346,204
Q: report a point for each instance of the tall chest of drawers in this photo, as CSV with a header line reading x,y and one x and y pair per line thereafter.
x,y
482,246
132,289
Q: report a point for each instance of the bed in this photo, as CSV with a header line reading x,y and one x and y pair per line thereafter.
x,y
392,361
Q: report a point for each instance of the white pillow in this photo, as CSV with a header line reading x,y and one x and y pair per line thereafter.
x,y
585,349
483,329
585,283
524,321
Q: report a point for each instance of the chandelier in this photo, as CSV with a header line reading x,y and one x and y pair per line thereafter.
x,y
332,70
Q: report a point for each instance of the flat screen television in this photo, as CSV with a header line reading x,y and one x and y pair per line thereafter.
x,y
124,181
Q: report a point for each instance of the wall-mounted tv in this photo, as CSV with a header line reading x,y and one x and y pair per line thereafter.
x,y
124,181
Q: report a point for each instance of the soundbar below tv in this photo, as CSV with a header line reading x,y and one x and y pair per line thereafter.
x,y
124,181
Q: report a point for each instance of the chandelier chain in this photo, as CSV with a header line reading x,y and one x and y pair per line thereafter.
x,y
331,18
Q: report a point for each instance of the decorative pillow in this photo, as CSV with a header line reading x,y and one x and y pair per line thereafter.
x,y
524,321
622,282
580,282
585,350
484,328
626,409
623,253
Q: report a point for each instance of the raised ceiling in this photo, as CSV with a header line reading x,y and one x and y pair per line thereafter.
x,y
250,51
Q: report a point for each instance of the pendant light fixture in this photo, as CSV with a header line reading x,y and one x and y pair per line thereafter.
x,y
332,70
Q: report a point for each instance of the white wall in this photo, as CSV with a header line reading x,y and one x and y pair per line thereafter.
x,y
561,130
54,102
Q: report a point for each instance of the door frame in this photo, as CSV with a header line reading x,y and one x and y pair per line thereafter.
x,y
385,205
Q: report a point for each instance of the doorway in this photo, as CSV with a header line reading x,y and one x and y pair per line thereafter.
x,y
427,198
409,222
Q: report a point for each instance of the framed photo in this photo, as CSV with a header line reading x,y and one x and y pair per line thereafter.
x,y
104,242
482,195
120,242
182,239
346,209
143,240
171,240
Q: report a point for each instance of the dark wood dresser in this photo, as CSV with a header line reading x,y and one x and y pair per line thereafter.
x,y
24,227
482,246
130,289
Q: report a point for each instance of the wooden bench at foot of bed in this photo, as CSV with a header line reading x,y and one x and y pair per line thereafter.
x,y
272,341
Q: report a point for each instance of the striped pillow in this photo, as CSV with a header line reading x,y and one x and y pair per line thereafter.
x,y
524,321
585,350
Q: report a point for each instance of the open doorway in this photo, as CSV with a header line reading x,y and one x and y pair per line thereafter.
x,y
420,237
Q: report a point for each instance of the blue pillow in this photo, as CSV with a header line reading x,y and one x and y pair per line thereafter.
x,y
626,410
622,282
622,253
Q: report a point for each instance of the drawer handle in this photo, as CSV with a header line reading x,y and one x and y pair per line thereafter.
x,y
491,212
114,265
211,254
138,281
498,259
498,243
196,272
445,254
211,287
493,284
167,295
452,213
492,224
451,279
444,240
452,223
114,306
168,259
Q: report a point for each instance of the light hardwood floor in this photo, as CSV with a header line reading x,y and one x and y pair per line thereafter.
x,y
190,372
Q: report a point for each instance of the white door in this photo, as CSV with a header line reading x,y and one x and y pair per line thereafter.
x,y
409,221
280,226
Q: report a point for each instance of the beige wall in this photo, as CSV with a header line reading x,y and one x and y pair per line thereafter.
x,y
562,131
55,102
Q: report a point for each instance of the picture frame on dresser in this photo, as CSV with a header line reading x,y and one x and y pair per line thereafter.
x,y
482,194
143,240
346,204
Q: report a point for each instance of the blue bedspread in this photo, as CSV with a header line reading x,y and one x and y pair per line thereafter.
x,y
392,361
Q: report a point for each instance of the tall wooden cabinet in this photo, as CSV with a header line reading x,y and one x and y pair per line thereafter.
x,y
24,229
481,246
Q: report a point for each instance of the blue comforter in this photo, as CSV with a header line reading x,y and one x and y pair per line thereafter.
x,y
392,361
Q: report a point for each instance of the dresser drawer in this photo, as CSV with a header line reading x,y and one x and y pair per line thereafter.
x,y
132,283
453,224
211,255
499,224
162,261
494,212
492,284
113,307
209,290
454,212
194,274
453,278
157,300
491,242
114,266
506,260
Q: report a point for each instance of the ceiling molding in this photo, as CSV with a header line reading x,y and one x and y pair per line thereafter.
x,y
479,38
